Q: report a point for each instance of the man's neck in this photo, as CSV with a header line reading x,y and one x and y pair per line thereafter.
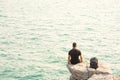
x,y
74,47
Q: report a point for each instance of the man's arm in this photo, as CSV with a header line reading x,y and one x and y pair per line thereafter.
x,y
68,59
81,59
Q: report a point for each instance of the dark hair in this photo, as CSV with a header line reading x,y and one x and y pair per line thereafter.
x,y
74,44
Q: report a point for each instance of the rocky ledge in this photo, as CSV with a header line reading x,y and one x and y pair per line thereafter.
x,y
82,71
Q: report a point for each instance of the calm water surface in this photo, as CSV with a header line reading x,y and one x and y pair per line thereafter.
x,y
36,35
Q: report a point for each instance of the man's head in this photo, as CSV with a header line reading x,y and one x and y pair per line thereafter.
x,y
74,44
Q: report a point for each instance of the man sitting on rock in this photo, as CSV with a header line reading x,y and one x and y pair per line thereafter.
x,y
74,55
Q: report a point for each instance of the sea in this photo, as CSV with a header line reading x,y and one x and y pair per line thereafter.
x,y
36,36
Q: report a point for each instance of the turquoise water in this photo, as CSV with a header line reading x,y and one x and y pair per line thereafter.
x,y
36,35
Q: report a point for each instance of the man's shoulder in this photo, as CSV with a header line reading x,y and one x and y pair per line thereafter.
x,y
77,49
70,50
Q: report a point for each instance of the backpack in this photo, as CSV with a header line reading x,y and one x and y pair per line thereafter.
x,y
94,63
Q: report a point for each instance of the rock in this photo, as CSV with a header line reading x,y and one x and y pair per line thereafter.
x,y
101,77
78,71
81,71
117,78
103,69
